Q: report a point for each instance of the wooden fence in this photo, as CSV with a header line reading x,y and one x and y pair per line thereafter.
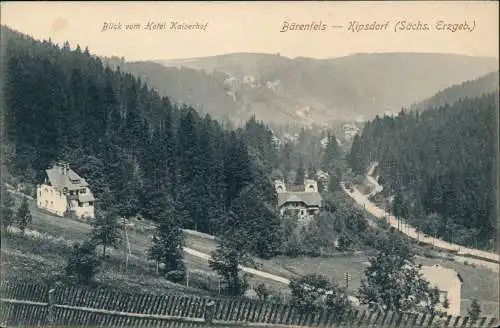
x,y
27,305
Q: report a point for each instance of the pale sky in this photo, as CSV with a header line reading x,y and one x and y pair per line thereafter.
x,y
255,27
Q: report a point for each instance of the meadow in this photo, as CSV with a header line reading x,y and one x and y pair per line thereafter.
x,y
45,247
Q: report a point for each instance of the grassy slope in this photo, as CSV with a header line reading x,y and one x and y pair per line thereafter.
x,y
32,258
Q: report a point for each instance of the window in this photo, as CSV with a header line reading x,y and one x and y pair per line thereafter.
x,y
51,203
442,296
46,203
91,203
82,191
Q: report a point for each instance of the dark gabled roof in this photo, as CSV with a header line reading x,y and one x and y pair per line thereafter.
x,y
63,177
308,198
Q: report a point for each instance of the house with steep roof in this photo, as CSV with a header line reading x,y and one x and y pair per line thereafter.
x,y
449,284
304,203
64,192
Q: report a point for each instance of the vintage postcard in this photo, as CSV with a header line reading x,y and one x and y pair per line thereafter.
x,y
244,164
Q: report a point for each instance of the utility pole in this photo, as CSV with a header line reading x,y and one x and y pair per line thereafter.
x,y
126,244
347,277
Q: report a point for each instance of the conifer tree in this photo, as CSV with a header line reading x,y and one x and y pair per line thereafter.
x,y
6,211
258,223
231,252
83,263
23,215
168,243
106,230
392,281
301,174
237,168
332,153
355,158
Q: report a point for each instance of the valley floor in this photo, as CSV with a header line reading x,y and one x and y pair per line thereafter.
x,y
45,248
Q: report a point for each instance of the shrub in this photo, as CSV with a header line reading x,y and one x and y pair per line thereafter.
x,y
262,292
313,292
176,275
83,263
474,311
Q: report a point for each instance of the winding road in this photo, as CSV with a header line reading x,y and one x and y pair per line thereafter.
x,y
254,272
411,232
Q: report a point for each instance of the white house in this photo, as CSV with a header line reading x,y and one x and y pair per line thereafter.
x,y
449,284
305,203
64,191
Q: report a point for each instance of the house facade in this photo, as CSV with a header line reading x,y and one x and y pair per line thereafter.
x,y
449,284
304,203
64,191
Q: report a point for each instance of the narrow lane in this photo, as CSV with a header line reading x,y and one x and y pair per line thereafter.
x,y
411,231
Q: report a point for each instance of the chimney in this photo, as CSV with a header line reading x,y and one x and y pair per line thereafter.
x,y
63,167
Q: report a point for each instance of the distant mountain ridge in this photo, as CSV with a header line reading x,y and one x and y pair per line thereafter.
x,y
486,84
281,90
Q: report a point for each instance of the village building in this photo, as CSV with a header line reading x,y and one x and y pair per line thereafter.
x,y
303,203
64,192
449,284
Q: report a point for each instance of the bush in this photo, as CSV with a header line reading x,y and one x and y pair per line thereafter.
x,y
176,276
313,292
83,263
344,242
262,292
383,224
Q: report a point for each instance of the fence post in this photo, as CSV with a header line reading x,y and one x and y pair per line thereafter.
x,y
50,307
209,311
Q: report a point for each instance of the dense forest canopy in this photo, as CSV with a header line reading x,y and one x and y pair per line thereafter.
x,y
441,165
135,148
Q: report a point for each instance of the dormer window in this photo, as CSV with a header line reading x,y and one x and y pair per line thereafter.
x,y
82,191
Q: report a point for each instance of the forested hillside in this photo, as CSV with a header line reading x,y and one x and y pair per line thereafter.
x,y
440,165
469,89
138,151
301,90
